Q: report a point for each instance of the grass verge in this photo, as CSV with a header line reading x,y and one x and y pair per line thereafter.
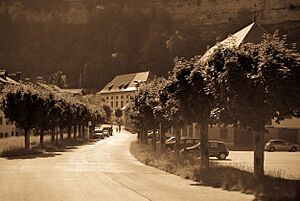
x,y
218,176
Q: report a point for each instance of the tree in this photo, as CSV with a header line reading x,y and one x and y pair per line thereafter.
x,y
254,84
188,87
118,115
22,105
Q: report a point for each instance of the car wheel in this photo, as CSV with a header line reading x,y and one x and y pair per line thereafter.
x,y
293,149
272,149
222,156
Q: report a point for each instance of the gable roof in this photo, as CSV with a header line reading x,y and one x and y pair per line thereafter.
x,y
252,33
125,82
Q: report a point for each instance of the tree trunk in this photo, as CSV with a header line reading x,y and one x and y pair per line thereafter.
x,y
177,141
53,136
83,131
145,134
56,137
42,137
79,129
139,137
162,140
154,140
259,154
61,133
75,132
69,132
204,145
27,138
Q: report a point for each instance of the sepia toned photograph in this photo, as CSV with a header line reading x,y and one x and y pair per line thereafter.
x,y
149,100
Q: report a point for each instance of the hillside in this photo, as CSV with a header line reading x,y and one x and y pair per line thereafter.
x,y
94,40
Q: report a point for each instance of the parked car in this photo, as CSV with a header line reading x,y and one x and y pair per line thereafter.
x,y
150,134
97,134
216,149
281,145
109,129
184,142
105,132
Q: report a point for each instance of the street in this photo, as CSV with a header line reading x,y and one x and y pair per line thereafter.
x,y
284,164
104,170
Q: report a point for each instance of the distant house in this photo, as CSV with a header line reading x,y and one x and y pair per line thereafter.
x,y
118,91
56,89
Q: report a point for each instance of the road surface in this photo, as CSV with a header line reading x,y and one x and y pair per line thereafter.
x,y
104,170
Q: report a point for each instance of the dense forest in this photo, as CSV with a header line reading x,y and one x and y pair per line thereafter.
x,y
93,40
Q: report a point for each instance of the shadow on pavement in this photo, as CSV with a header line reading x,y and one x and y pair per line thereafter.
x,y
48,150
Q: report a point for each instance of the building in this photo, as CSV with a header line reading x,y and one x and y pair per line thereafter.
x,y
117,92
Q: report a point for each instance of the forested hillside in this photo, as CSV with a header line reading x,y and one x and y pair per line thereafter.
x,y
96,40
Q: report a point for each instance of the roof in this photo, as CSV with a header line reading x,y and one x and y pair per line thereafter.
x,y
73,91
125,82
252,33
55,88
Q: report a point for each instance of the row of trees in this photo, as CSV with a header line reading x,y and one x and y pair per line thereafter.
x,y
245,86
31,107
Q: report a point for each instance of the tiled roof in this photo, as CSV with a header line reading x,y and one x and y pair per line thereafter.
x,y
252,33
125,82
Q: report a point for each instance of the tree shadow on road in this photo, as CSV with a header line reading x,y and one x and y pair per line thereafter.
x,y
46,151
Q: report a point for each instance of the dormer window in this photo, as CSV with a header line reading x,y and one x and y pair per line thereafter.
x,y
110,87
126,85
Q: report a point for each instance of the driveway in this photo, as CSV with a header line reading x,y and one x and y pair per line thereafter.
x,y
104,170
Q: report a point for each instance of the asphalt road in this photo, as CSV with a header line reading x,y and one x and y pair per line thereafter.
x,y
104,170
285,164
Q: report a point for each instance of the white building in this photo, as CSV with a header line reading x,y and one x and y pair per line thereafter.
x,y
118,91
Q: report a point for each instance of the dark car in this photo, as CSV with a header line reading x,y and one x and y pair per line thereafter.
x,y
109,130
97,134
184,142
216,149
281,145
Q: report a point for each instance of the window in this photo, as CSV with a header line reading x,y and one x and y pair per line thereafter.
x,y
1,120
6,134
122,104
117,104
224,133
213,145
121,96
112,104
112,97
1,135
12,133
106,97
117,97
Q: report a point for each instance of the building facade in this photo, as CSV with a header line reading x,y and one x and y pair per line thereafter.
x,y
118,91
